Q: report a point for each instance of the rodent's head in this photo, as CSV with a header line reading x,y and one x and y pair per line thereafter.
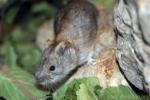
x,y
57,64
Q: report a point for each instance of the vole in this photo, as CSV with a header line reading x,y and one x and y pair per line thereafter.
x,y
75,32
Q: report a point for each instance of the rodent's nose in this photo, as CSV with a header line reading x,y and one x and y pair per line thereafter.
x,y
38,78
36,74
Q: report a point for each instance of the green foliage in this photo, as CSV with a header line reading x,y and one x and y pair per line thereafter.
x,y
29,56
105,3
25,54
116,93
109,3
15,83
43,7
84,93
10,15
68,92
9,90
18,34
2,2
18,84
89,89
10,54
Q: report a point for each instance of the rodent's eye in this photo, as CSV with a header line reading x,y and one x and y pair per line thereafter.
x,y
52,68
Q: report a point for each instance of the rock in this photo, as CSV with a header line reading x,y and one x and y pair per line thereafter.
x,y
132,22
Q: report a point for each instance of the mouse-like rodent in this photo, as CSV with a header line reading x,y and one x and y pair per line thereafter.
x,y
75,32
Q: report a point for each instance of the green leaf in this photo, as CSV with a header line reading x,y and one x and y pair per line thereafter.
x,y
69,91
89,89
10,15
28,81
9,90
106,3
18,34
29,56
109,3
90,82
16,84
45,8
116,93
84,93
10,54
2,2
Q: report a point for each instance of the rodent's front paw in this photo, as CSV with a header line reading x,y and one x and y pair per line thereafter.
x,y
91,62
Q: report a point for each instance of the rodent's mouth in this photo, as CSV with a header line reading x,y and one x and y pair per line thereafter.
x,y
43,80
45,83
47,86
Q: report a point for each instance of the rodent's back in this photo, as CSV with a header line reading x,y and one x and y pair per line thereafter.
x,y
77,22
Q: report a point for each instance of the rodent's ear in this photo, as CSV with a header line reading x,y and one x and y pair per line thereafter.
x,y
61,47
